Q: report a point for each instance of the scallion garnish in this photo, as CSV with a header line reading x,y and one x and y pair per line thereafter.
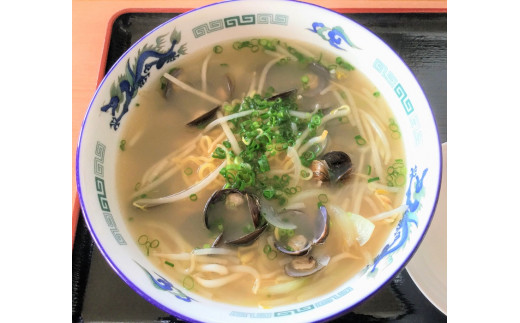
x,y
122,145
373,179
323,198
360,140
218,49
344,64
188,282
219,153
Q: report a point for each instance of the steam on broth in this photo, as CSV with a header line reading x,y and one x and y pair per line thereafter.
x,y
287,186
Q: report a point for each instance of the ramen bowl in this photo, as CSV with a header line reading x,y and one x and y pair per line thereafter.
x,y
121,96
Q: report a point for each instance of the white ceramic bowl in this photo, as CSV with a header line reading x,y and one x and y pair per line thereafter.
x,y
100,140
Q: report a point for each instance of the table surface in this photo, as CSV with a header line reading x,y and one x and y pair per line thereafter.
x,y
419,38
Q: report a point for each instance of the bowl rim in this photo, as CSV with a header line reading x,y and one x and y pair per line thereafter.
x,y
150,299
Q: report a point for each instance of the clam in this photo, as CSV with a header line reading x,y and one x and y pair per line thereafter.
x,y
283,95
204,118
224,93
309,232
229,85
229,89
306,266
235,216
169,88
319,77
334,166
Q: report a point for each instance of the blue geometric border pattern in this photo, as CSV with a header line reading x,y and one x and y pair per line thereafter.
x,y
298,310
234,21
401,93
102,196
392,81
109,219
99,159
101,192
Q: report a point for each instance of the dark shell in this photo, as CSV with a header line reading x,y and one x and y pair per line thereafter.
x,y
205,118
305,250
248,238
323,76
340,165
320,233
316,264
168,88
230,85
283,95
254,209
334,166
322,228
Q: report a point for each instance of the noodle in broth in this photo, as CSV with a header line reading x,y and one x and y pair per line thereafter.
x,y
282,108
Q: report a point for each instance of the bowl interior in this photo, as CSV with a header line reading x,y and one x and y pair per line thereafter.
x,y
100,142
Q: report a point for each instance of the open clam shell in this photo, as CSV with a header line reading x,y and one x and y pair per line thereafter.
x,y
229,206
335,166
309,231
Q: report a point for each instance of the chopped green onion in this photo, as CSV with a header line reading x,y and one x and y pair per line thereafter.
x,y
206,246
373,179
377,94
217,49
369,169
193,197
272,254
224,65
169,263
122,145
267,249
323,198
226,144
360,140
137,186
263,164
188,171
344,64
188,282
219,153
269,92
269,193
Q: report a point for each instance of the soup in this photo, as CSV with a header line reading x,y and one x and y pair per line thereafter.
x,y
261,172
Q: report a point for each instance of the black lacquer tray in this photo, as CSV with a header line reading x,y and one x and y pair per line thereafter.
x,y
420,39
